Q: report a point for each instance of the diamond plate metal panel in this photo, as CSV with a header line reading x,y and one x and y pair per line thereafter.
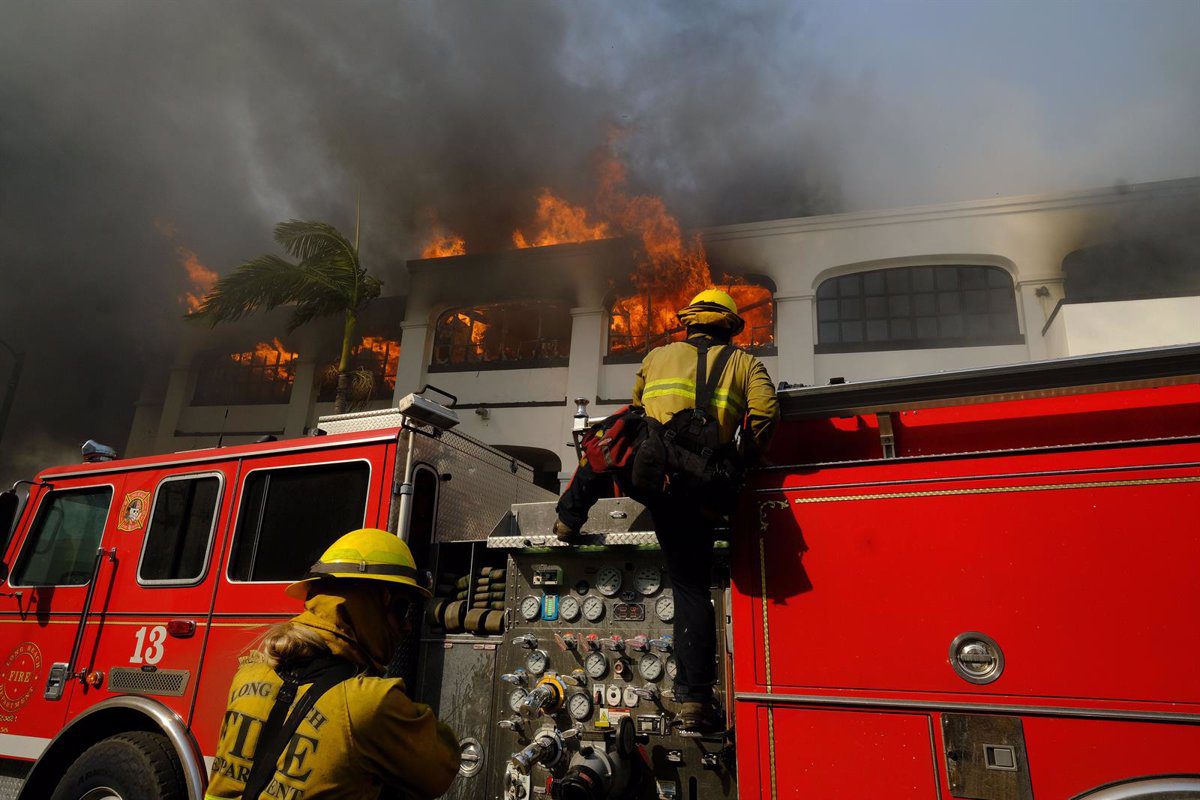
x,y
10,787
360,421
483,486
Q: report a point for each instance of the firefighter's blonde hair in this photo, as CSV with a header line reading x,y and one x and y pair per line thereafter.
x,y
285,643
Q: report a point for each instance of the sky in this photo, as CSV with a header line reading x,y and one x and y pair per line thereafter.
x,y
216,119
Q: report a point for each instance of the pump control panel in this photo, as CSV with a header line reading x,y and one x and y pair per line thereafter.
x,y
585,701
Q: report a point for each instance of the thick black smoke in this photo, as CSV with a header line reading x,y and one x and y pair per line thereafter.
x,y
225,117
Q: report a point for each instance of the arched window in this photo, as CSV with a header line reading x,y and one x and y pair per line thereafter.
x,y
909,308
259,375
522,333
640,322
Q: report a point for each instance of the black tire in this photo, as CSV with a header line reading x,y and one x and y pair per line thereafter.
x,y
138,765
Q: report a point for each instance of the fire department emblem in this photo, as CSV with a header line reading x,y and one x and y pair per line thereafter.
x,y
19,676
134,508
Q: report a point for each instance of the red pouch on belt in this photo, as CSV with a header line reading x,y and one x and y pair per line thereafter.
x,y
610,444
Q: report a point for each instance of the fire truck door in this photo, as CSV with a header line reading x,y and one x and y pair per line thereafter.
x,y
54,568
288,509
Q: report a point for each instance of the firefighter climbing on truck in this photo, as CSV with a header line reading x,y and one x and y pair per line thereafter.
x,y
311,696
710,408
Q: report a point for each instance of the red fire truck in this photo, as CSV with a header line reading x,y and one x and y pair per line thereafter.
x,y
965,585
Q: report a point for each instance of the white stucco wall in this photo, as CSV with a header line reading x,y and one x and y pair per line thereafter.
x,y
1026,236
1083,328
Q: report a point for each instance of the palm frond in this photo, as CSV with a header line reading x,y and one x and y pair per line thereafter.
x,y
309,240
315,308
263,282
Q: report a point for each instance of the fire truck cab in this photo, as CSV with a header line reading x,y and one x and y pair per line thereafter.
x,y
132,586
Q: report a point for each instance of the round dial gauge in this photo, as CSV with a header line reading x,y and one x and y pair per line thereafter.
x,y
568,608
672,667
596,665
651,667
593,608
665,608
608,581
579,706
517,698
536,662
531,608
648,580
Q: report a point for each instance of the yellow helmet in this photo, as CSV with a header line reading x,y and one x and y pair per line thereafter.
x,y
366,554
716,297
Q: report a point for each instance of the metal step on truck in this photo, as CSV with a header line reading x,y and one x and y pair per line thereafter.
x,y
977,584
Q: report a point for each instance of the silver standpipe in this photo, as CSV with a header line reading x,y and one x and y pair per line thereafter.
x,y
581,413
546,748
406,488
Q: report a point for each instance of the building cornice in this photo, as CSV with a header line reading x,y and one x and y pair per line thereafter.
x,y
1183,187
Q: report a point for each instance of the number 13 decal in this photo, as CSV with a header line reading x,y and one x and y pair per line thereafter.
x,y
149,649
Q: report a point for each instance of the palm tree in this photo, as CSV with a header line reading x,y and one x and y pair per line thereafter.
x,y
328,279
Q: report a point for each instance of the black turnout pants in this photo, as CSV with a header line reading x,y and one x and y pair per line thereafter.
x,y
686,538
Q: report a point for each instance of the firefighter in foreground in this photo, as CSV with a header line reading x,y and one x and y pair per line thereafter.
x,y
307,716
710,408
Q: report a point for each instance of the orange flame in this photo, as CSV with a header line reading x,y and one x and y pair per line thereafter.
x,y
559,222
276,361
387,352
671,267
201,277
444,243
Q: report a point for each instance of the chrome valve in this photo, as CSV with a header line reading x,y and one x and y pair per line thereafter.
x,y
647,693
528,641
592,641
566,641
637,643
546,697
616,643
517,677
577,678
663,644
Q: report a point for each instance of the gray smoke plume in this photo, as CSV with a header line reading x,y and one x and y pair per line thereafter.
x,y
222,118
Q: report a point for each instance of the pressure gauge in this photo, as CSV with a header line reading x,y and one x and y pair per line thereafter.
x,y
568,609
593,608
596,665
536,662
672,667
651,667
665,608
517,698
531,608
647,580
608,581
579,706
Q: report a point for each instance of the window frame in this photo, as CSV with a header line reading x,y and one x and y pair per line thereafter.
x,y
900,345
112,490
237,518
636,356
204,366
326,393
212,531
538,362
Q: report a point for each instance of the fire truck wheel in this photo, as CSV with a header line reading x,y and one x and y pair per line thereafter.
x,y
138,765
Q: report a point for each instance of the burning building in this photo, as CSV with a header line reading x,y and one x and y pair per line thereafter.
x,y
518,334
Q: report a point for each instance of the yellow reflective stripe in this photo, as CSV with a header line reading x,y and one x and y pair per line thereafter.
x,y
686,394
675,382
726,402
